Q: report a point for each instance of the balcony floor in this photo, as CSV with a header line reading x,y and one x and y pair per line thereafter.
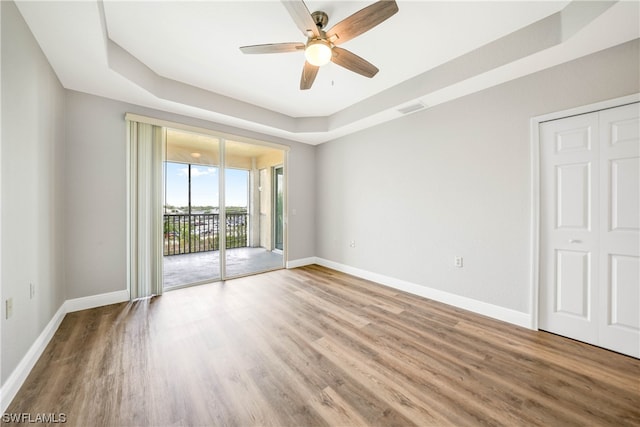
x,y
204,266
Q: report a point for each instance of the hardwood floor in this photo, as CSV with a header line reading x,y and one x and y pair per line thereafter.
x,y
314,347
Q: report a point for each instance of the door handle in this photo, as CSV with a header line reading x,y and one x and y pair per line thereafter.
x,y
575,241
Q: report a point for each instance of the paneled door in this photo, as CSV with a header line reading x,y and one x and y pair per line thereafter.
x,y
568,241
620,229
590,228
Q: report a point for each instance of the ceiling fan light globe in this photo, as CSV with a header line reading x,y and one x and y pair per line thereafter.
x,y
318,53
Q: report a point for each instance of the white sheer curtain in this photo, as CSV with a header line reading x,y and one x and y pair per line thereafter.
x,y
145,181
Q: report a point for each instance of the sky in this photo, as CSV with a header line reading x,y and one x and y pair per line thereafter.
x,y
204,185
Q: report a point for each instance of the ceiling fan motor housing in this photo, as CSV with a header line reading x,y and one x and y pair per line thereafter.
x,y
320,18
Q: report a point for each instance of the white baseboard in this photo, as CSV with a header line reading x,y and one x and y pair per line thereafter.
x,y
94,301
302,262
494,311
12,385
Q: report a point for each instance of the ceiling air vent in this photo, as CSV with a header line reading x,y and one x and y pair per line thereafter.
x,y
411,108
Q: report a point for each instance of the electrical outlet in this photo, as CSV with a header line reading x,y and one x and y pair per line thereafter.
x,y
9,308
32,290
352,244
457,261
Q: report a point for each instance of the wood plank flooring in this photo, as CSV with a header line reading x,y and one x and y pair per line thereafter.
x,y
314,347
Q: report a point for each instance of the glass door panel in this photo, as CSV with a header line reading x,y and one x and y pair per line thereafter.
x,y
192,210
236,221
249,209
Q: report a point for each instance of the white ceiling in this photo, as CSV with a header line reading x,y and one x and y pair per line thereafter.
x,y
183,57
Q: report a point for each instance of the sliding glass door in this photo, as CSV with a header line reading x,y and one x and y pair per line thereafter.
x,y
224,209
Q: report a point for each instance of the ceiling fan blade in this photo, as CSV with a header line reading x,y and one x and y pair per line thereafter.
x,y
309,73
353,62
302,17
273,48
362,21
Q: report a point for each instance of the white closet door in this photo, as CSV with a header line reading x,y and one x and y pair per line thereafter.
x,y
619,323
569,268
590,228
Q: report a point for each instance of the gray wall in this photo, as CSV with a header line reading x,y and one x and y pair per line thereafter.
x,y
96,191
32,192
454,180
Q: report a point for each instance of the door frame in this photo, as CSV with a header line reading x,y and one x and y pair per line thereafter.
x,y
534,299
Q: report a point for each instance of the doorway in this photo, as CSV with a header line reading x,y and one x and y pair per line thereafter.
x,y
212,219
590,227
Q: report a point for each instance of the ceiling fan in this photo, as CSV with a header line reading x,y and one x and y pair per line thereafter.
x,y
322,46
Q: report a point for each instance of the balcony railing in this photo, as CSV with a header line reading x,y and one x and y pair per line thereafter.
x,y
185,234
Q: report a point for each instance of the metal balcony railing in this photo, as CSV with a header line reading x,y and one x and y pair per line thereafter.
x,y
185,234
